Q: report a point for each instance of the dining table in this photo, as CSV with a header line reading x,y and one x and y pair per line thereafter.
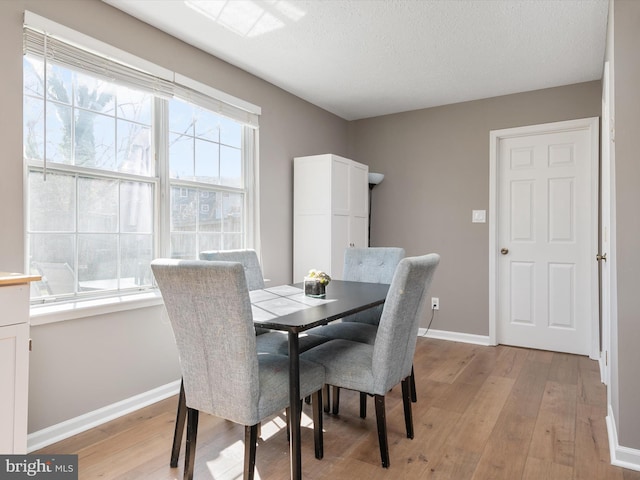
x,y
286,308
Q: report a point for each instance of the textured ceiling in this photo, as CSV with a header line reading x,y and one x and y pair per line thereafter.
x,y
364,58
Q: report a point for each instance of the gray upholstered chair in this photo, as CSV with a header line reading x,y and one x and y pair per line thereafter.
x,y
252,269
249,260
375,265
375,369
210,312
255,281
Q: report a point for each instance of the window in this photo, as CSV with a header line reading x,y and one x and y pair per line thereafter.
x,y
207,180
119,173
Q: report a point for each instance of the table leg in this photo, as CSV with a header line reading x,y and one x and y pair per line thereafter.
x,y
295,407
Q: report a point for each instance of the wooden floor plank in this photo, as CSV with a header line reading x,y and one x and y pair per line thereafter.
x,y
480,367
505,453
536,469
455,462
453,361
592,446
591,391
476,424
554,432
630,475
564,368
457,397
541,356
432,429
510,361
483,413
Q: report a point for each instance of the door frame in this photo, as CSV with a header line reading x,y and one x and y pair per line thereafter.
x,y
592,126
608,287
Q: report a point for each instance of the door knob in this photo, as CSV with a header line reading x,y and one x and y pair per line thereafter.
x,y
504,251
601,257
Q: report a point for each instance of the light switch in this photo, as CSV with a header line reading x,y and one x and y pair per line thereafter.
x,y
479,216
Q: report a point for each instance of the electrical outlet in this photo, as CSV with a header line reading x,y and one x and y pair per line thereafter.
x,y
435,303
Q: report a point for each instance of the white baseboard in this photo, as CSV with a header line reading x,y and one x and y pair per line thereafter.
x,y
624,457
603,367
73,426
455,336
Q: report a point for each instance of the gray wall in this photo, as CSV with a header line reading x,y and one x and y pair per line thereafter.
x,y
436,166
92,358
627,158
78,366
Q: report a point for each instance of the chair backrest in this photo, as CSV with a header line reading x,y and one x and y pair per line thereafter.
x,y
375,265
403,309
249,260
210,312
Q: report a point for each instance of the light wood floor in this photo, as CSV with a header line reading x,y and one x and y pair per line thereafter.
x,y
482,413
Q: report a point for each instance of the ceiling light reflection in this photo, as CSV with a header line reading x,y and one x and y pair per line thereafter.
x,y
248,18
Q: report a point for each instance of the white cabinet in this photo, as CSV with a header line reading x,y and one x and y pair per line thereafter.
x,y
330,212
14,363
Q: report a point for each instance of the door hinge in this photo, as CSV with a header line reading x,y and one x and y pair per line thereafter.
x,y
606,358
30,345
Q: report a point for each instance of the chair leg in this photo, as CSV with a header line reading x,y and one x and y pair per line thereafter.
x,y
181,416
381,419
414,395
336,400
326,399
317,424
250,441
190,450
406,400
363,405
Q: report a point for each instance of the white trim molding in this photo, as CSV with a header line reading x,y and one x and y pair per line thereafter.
x,y
603,370
455,336
624,457
74,426
58,312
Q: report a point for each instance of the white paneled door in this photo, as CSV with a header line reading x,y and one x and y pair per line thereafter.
x,y
544,241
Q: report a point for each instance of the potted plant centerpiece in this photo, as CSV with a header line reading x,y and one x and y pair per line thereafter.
x,y
315,283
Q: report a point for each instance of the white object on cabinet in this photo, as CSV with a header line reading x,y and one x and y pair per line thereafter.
x,y
14,368
330,212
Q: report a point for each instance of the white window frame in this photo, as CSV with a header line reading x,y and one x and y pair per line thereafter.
x,y
186,89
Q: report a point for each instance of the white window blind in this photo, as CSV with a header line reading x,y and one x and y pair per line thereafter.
x,y
52,49
53,42
215,105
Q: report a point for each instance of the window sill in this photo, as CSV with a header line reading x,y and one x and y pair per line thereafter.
x,y
44,314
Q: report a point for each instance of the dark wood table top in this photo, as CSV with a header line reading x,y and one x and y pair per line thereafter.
x,y
342,298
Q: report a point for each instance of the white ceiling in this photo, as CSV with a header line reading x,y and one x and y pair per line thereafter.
x,y
364,58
